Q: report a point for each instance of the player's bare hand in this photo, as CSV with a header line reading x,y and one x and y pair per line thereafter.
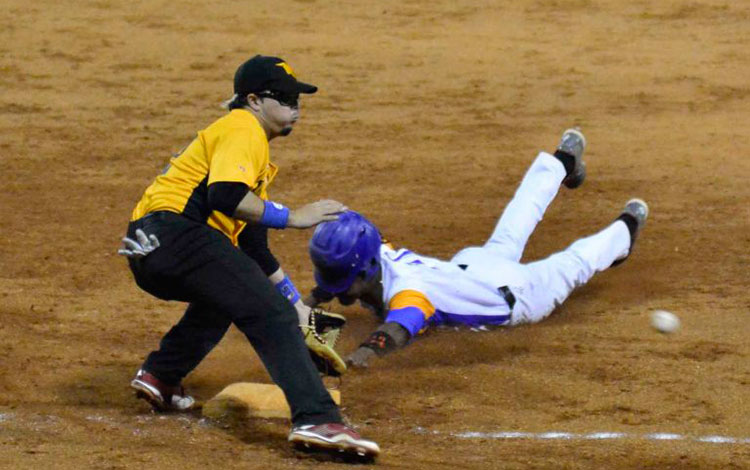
x,y
360,358
139,248
315,213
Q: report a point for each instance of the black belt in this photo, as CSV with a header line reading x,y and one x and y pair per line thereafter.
x,y
508,296
510,299
158,215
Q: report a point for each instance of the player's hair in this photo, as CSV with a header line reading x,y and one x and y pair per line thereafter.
x,y
235,102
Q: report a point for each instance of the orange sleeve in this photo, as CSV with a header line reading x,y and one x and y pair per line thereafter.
x,y
412,298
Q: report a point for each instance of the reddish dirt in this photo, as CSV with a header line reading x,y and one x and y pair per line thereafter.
x,y
428,115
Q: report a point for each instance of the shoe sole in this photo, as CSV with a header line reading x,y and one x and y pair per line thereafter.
x,y
146,392
309,443
643,203
579,134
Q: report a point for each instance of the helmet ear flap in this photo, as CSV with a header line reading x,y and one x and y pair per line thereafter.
x,y
373,266
369,268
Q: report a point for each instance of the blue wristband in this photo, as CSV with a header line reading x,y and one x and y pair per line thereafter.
x,y
275,215
287,289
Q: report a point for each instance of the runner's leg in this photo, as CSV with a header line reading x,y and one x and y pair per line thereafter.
x,y
521,216
550,281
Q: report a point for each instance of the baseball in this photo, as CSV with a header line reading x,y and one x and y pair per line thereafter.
x,y
665,322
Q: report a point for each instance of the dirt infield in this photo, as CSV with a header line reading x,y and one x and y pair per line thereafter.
x,y
428,115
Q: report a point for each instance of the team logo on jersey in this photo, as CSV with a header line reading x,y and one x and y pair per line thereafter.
x,y
286,68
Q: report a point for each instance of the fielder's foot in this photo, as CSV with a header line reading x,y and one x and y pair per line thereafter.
x,y
161,396
333,438
634,215
572,144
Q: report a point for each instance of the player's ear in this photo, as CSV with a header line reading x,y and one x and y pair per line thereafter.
x,y
253,101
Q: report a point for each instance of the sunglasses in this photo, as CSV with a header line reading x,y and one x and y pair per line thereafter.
x,y
285,99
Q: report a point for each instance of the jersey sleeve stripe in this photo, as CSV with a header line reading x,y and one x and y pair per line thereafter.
x,y
411,309
411,318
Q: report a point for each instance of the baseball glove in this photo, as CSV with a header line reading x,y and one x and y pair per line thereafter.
x,y
321,335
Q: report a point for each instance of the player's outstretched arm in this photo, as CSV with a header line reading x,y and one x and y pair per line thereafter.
x,y
271,214
321,329
387,338
314,213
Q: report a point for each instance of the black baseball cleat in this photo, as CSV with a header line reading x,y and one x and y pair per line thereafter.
x,y
336,439
634,215
572,144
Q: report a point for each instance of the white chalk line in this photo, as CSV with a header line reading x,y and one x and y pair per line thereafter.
x,y
508,435
553,435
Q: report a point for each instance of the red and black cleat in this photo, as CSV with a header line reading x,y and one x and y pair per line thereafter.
x,y
161,396
334,438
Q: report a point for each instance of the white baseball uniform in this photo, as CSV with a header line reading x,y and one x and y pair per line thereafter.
x,y
472,288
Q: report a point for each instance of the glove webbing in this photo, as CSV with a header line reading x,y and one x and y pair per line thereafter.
x,y
314,330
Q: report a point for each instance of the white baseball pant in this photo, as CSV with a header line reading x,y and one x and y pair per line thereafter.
x,y
540,286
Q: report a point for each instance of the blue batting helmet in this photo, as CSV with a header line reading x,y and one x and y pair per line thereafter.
x,y
344,248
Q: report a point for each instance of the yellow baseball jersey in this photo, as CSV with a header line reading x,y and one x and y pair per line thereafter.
x,y
232,149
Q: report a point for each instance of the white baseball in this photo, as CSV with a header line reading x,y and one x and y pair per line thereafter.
x,y
665,322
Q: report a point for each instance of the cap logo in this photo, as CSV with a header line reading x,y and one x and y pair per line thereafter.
x,y
286,68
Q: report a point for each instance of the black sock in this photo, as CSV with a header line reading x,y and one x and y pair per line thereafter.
x,y
631,223
568,161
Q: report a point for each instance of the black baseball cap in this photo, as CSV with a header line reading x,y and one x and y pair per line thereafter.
x,y
268,73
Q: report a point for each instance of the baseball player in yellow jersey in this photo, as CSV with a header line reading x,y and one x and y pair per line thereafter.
x,y
485,285
208,215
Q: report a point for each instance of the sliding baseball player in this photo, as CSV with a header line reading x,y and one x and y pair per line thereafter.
x,y
481,285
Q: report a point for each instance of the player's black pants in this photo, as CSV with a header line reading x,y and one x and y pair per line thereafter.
x,y
199,265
